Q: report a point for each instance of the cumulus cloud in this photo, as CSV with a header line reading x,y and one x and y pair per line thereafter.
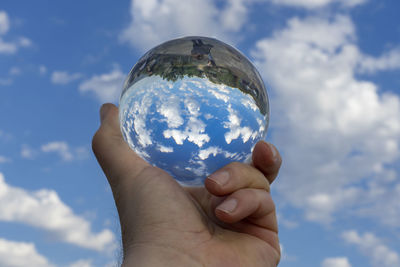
x,y
235,129
194,132
177,18
106,87
63,77
374,248
136,113
234,15
335,130
60,147
388,61
336,262
170,109
165,149
213,150
313,4
27,152
380,194
19,254
44,209
24,42
13,46
9,78
321,206
160,20
4,22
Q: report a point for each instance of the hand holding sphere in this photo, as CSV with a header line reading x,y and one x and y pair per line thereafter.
x,y
191,106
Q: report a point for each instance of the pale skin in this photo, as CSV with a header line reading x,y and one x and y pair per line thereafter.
x,y
231,221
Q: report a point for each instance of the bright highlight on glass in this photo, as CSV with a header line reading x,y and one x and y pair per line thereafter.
x,y
192,105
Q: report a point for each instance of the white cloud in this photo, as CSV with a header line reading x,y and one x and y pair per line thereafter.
x,y
24,42
177,135
194,132
170,109
7,48
321,206
388,61
175,18
234,15
21,254
10,47
374,248
221,95
4,22
27,152
380,194
63,77
312,4
59,147
235,129
213,150
336,262
44,209
335,130
288,223
135,113
14,71
106,87
165,149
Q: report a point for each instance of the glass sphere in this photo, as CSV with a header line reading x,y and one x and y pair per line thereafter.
x,y
192,105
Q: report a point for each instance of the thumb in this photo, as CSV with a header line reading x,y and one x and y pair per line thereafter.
x,y
267,159
114,155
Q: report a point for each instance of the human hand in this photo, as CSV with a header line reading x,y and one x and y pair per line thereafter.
x,y
226,223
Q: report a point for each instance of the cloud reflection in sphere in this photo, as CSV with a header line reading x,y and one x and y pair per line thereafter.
x,y
192,105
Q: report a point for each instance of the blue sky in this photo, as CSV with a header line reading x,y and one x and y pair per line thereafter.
x,y
332,72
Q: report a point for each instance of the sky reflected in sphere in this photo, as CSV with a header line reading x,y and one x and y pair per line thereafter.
x,y
191,106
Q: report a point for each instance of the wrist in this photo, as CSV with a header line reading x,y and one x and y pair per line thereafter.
x,y
150,255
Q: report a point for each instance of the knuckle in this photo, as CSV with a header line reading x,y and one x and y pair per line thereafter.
x,y
235,165
248,176
270,202
254,194
234,169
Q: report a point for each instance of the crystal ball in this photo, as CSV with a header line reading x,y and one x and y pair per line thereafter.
x,y
192,105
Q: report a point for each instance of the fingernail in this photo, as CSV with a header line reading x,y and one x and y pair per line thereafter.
x,y
273,150
228,206
103,112
221,177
